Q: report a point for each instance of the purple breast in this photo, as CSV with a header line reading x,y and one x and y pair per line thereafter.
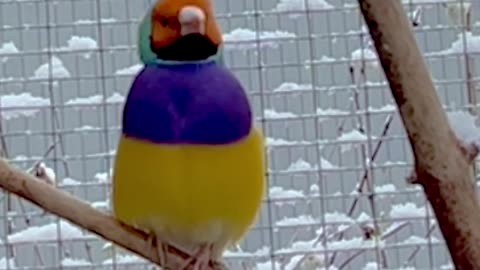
x,y
187,104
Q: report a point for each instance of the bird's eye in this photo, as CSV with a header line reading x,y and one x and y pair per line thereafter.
x,y
164,22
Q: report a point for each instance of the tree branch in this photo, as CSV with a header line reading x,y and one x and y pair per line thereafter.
x,y
442,167
80,213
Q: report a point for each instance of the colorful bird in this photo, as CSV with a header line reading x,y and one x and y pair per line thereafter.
x,y
190,166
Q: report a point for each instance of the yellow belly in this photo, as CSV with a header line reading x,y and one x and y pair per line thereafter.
x,y
190,194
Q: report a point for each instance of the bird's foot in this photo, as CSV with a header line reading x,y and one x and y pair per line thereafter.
x,y
159,250
202,258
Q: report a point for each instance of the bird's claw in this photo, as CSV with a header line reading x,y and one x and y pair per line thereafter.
x,y
159,250
202,259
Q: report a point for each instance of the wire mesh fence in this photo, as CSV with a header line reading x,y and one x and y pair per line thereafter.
x,y
338,156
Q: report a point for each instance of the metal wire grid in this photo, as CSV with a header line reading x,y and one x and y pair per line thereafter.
x,y
338,194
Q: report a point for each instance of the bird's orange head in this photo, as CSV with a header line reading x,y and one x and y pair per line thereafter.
x,y
185,30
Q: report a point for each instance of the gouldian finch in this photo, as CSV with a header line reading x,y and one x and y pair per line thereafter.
x,y
190,165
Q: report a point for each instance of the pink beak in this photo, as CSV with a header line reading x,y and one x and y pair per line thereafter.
x,y
192,20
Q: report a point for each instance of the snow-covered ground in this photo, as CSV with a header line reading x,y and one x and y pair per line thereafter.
x,y
331,132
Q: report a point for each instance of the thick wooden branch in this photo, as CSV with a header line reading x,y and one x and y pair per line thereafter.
x,y
442,166
80,213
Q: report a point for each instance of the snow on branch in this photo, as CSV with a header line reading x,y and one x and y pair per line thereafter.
x,y
83,215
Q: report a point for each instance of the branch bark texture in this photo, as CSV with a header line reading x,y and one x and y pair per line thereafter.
x,y
442,165
83,215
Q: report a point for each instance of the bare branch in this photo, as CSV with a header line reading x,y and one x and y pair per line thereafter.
x,y
82,214
442,167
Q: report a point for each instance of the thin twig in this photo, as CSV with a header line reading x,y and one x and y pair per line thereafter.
x,y
373,157
366,163
383,237
418,248
38,254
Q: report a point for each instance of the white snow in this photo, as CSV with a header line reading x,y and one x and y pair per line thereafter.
x,y
407,210
102,177
24,104
8,48
54,67
279,142
353,135
363,54
326,165
279,193
80,43
4,262
351,138
391,163
387,188
323,59
260,252
115,98
96,99
336,218
244,39
48,232
302,220
330,112
272,114
292,87
469,43
366,57
86,128
463,124
385,108
353,243
418,240
124,259
71,182
101,204
300,165
364,217
314,189
301,5
131,70
311,262
20,158
268,265
422,1
70,262
448,266
307,262
371,266
102,20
